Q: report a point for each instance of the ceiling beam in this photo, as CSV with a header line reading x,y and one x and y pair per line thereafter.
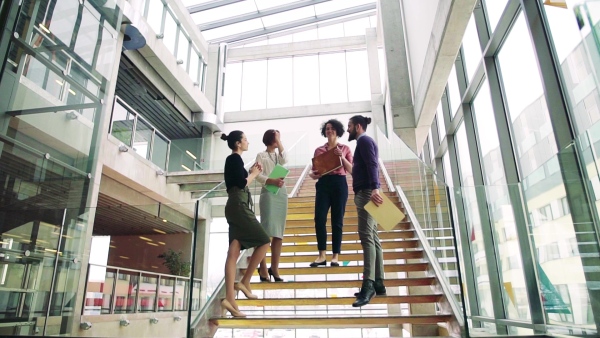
x,y
210,5
304,28
259,14
294,24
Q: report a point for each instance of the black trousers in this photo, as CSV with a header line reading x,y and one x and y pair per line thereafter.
x,y
332,192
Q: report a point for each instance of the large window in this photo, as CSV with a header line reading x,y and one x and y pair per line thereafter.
x,y
298,81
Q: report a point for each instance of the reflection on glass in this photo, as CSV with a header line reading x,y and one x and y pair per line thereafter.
x,y
557,240
500,208
143,138
454,92
160,148
441,125
472,217
122,125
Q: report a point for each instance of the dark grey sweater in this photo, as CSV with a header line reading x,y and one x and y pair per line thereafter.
x,y
365,169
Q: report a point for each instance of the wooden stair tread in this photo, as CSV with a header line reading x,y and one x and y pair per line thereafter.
x,y
309,228
387,255
341,321
338,284
351,269
404,244
337,300
349,237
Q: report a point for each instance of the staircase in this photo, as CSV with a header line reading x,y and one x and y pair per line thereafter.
x,y
321,298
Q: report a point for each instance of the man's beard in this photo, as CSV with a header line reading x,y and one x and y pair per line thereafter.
x,y
352,136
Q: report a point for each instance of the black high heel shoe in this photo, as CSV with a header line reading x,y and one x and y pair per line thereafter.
x,y
276,278
264,279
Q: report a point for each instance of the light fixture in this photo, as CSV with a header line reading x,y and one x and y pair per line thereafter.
x,y
190,154
164,220
196,84
145,238
124,257
42,27
177,318
160,172
123,148
85,325
159,231
160,36
154,320
124,322
217,133
186,168
153,244
179,62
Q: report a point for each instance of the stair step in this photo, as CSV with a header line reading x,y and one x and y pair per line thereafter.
x,y
339,284
350,237
350,197
389,255
404,244
311,215
341,321
412,299
309,228
311,223
351,269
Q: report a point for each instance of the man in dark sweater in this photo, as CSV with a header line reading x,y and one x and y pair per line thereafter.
x,y
365,183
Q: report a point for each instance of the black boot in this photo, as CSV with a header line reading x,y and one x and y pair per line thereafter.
x,y
367,292
379,288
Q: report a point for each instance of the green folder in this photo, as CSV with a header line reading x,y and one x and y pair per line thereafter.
x,y
278,172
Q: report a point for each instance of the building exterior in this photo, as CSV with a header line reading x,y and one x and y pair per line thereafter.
x,y
106,105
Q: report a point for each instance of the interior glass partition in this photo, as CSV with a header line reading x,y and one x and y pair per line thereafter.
x,y
55,77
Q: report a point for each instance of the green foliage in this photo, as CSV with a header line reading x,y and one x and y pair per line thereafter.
x,y
175,264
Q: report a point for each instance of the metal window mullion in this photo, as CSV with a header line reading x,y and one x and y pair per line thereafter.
x,y
463,235
133,132
113,292
491,254
137,293
54,273
151,145
517,201
173,295
157,293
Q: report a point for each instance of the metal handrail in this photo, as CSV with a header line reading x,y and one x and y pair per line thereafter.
x,y
300,180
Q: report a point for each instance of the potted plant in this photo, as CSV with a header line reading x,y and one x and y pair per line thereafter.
x,y
175,264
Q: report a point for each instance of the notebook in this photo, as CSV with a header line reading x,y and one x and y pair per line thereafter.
x,y
387,214
278,172
326,162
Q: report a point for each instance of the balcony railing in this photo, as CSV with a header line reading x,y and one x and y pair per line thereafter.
x,y
115,290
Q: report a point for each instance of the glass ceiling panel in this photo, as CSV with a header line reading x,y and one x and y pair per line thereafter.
x,y
223,12
188,3
236,28
263,4
256,6
296,14
333,6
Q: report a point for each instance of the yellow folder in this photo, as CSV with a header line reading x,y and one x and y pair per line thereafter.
x,y
387,214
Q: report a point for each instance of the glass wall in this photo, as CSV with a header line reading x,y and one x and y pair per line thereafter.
x,y
298,81
526,193
59,67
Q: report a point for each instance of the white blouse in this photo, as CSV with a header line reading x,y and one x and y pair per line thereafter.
x,y
268,162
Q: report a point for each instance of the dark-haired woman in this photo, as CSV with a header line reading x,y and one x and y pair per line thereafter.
x,y
273,207
332,192
244,229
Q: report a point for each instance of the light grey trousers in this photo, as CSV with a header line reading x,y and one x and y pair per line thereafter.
x,y
369,239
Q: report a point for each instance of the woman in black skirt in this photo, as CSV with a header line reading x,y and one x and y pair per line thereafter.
x,y
244,229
